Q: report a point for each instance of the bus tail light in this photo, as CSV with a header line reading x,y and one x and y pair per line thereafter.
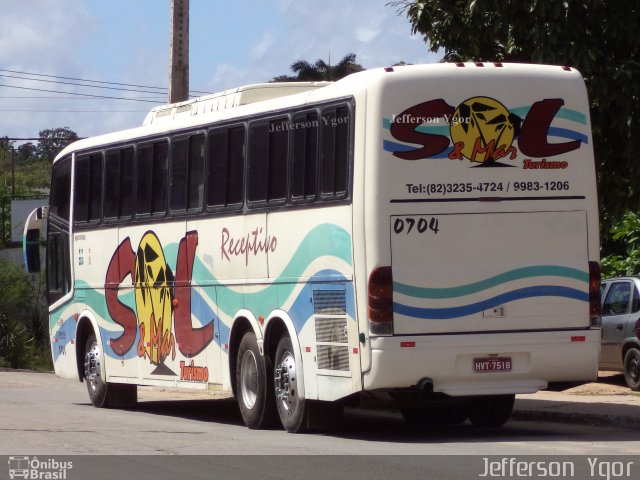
x,y
594,291
380,291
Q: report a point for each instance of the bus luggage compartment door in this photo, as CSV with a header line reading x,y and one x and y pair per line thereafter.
x,y
489,272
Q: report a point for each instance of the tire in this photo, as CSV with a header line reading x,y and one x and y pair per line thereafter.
x,y
435,415
491,411
254,390
93,373
632,369
103,394
292,409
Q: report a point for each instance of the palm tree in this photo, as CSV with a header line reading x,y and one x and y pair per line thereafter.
x,y
320,70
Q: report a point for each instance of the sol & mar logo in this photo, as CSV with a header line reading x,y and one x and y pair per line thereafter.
x,y
480,129
162,315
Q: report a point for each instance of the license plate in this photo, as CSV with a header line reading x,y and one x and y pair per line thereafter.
x,y
492,364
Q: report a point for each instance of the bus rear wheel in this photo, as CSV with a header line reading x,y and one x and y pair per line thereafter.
x,y
292,409
253,389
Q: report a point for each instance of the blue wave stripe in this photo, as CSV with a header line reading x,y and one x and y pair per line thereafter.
x,y
462,311
475,287
566,133
393,147
564,113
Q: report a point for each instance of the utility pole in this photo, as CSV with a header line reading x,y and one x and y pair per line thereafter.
x,y
179,52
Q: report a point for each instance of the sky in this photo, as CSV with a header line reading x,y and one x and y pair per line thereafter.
x,y
232,43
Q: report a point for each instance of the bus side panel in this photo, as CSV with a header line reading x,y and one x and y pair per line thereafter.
x,y
311,263
62,331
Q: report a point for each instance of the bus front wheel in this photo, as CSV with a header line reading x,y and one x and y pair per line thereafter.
x,y
101,393
93,373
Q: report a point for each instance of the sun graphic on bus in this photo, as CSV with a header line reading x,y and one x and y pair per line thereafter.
x,y
153,299
481,129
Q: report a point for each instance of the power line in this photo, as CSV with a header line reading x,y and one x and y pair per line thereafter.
x,y
77,84
81,94
35,110
39,97
162,89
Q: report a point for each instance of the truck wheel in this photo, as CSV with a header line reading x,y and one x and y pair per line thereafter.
x,y
254,391
292,409
632,369
491,411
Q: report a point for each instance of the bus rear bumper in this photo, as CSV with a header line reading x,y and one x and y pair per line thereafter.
x,y
459,365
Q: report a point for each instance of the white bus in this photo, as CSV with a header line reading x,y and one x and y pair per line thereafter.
x,y
423,237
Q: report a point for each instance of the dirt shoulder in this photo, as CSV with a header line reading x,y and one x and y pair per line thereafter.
x,y
609,383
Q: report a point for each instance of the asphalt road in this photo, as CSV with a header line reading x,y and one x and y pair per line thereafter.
x,y
41,414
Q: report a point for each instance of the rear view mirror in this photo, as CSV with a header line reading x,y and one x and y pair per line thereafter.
x,y
31,239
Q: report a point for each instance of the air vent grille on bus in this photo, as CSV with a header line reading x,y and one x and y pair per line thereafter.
x,y
333,330
332,335
332,357
329,302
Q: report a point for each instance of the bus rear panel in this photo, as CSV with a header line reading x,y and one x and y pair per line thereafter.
x,y
481,230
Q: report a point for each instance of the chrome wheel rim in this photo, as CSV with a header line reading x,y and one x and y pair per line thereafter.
x,y
286,385
249,379
634,368
93,368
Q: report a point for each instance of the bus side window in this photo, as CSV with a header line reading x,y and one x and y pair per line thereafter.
x,y
225,183
304,164
258,161
179,160
335,146
118,184
151,178
58,268
58,262
268,157
59,200
187,173
195,192
88,189
125,207
111,183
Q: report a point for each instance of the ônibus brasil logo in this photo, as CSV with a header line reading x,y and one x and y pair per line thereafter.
x,y
35,469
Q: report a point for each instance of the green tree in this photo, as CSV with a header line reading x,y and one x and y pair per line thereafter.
x,y
598,37
321,71
625,242
53,141
24,340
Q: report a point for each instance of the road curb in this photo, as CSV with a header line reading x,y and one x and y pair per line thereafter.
x,y
579,418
